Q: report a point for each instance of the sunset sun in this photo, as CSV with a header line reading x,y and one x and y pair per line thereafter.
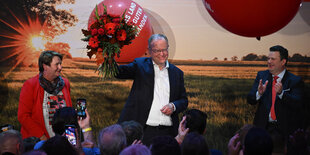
x,y
24,41
37,42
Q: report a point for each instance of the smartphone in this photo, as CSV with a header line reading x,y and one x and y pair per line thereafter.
x,y
80,107
6,127
70,134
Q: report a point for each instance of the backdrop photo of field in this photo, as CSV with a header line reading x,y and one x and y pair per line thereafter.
x,y
218,88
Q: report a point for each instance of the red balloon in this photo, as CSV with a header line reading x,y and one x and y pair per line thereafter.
x,y
252,18
135,14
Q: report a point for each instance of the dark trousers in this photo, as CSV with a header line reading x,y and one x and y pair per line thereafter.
x,y
150,132
273,127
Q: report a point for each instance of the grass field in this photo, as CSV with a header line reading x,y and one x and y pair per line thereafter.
x,y
219,90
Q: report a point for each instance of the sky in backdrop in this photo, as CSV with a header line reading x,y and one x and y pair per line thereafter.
x,y
192,32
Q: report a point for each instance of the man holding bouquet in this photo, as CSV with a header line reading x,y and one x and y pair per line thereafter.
x,y
157,94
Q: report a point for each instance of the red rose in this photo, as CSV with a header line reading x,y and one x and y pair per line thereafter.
x,y
94,32
93,42
101,31
110,28
121,35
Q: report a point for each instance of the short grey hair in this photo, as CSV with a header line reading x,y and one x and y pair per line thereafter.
x,y
136,149
157,37
112,140
9,138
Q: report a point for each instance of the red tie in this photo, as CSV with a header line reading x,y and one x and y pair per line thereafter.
x,y
272,112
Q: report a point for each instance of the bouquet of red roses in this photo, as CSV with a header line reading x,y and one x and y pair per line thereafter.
x,y
105,37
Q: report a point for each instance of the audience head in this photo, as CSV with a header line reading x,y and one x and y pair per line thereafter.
x,y
112,140
11,142
257,142
194,144
299,141
196,120
133,131
136,149
29,143
64,116
46,58
165,145
35,152
243,132
58,145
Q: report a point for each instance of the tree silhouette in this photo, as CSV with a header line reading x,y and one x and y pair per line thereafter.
x,y
262,58
57,20
298,58
295,58
234,58
249,57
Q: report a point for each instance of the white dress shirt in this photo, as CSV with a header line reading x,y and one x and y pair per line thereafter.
x,y
160,98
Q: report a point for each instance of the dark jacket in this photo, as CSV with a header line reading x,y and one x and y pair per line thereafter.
x,y
289,109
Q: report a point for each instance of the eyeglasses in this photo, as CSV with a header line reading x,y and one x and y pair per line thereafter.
x,y
160,50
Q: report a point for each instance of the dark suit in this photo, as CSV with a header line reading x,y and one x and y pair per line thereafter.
x,y
140,99
289,109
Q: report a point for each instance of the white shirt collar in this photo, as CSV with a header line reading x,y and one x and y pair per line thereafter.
x,y
281,74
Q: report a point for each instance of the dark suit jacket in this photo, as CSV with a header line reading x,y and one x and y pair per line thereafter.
x,y
140,99
289,109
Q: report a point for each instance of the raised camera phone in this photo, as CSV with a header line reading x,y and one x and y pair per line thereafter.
x,y
70,134
6,127
80,107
